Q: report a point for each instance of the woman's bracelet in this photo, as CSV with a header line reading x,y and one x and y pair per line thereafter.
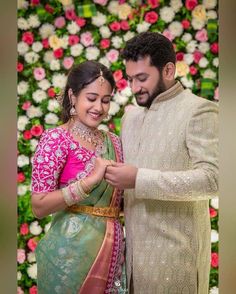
x,y
74,193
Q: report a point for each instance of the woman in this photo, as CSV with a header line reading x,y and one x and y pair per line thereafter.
x,y
83,250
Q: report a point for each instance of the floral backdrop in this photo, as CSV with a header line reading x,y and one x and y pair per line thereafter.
x,y
53,35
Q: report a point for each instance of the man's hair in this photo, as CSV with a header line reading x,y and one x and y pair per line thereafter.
x,y
152,44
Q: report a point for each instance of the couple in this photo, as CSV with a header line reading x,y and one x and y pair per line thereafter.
x,y
169,175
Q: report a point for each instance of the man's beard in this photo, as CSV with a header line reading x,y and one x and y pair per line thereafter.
x,y
160,88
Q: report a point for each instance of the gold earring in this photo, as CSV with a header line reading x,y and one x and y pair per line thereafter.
x,y
73,111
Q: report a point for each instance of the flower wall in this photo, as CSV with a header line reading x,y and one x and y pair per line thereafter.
x,y
54,35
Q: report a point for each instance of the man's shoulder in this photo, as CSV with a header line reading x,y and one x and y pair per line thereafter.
x,y
132,112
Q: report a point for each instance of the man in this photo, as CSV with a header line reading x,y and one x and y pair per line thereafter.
x,y
170,173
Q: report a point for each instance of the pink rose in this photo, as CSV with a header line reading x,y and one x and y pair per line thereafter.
x,y
51,92
26,105
115,26
80,21
49,8
153,3
185,23
112,55
33,290
100,2
27,135
213,212
20,67
58,53
20,256
121,84
201,35
105,43
37,130
197,55
167,33
190,4
39,73
24,229
214,259
32,244
179,56
28,38
214,48
86,39
59,22
20,178
193,70
35,2
68,62
73,39
45,43
151,17
19,290
118,74
70,14
124,25
216,94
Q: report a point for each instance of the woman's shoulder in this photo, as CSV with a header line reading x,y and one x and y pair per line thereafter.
x,y
58,134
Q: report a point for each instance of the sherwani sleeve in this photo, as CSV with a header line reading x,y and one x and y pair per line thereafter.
x,y
200,182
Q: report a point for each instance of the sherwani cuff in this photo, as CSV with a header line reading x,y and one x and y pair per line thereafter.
x,y
142,184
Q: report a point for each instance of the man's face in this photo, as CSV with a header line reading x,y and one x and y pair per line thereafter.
x,y
145,80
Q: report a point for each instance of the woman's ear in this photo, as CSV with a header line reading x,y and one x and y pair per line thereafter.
x,y
169,71
71,96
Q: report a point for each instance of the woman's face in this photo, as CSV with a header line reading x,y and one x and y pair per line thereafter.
x,y
93,102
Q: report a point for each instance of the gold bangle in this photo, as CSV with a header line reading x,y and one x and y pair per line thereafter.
x,y
87,188
67,196
83,195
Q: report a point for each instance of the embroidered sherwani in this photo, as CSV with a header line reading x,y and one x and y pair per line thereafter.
x,y
174,146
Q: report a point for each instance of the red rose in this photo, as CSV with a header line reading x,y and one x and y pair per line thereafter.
x,y
193,70
27,135
51,92
73,39
197,55
35,2
214,48
185,24
24,229
32,244
190,4
20,177
36,130
105,43
118,74
179,56
214,259
58,53
124,25
151,17
111,126
70,14
49,8
213,212
33,290
26,105
45,43
80,21
153,3
20,67
28,38
115,26
121,84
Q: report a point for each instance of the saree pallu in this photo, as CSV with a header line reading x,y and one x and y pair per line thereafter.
x,y
83,253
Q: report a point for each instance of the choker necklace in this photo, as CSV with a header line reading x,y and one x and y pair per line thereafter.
x,y
92,136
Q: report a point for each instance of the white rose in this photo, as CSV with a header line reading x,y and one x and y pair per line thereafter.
x,y
33,144
22,122
65,42
22,88
126,92
47,227
187,37
31,57
197,24
33,111
176,28
143,27
92,53
76,50
22,24
53,105
37,46
34,21
105,32
21,190
186,82
114,108
32,271
73,28
117,42
105,61
55,64
51,118
188,58
214,290
44,84
19,276
214,236
22,160
209,4
22,48
191,46
59,80
120,99
99,20
39,95
203,62
46,30
21,4
211,14
209,74
113,7
48,56
103,127
31,257
129,35
176,5
167,14
215,202
204,47
215,62
35,229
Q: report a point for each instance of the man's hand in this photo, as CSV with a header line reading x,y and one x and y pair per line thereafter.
x,y
121,176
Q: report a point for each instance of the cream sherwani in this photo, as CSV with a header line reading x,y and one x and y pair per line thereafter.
x,y
174,145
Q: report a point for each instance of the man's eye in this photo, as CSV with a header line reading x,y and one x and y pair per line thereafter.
x,y
142,79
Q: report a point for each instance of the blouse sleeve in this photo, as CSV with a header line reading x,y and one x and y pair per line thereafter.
x,y
48,161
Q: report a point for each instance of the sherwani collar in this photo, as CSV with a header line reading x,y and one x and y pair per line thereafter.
x,y
168,94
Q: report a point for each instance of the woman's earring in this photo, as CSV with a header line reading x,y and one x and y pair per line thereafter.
x,y
73,111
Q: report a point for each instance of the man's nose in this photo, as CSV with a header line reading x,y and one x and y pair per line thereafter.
x,y
135,87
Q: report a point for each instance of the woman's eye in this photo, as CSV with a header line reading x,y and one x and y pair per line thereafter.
x,y
91,99
106,101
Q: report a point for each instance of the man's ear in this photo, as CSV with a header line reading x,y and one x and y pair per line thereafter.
x,y
169,71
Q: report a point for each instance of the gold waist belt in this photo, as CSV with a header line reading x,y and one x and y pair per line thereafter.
x,y
97,211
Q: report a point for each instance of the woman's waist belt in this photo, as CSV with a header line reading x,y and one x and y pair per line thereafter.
x,y
97,211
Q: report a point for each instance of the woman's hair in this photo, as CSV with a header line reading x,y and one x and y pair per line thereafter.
x,y
78,78
152,44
